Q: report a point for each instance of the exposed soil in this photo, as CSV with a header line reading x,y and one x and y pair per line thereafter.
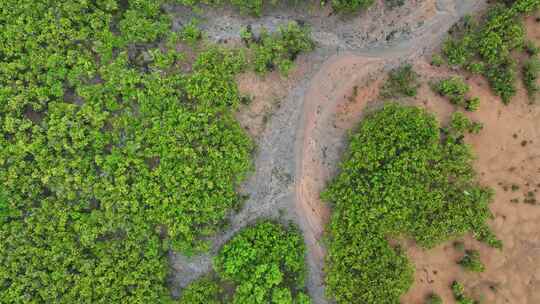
x,y
300,125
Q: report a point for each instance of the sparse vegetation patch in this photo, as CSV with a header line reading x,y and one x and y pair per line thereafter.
x,y
402,82
486,47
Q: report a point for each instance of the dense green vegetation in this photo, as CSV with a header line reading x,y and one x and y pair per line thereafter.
x,y
110,155
279,49
402,176
205,290
266,264
471,261
261,264
456,89
402,82
486,47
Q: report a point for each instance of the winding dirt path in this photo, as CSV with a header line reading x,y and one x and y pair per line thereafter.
x,y
302,143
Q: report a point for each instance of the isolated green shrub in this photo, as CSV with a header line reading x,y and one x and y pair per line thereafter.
x,y
434,299
460,124
402,81
110,156
265,263
454,88
472,104
280,49
531,48
471,261
459,294
437,60
400,177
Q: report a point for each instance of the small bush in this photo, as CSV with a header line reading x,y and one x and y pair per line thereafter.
x,y
454,88
280,49
434,299
461,124
471,261
437,60
531,73
402,81
472,104
191,33
531,48
459,294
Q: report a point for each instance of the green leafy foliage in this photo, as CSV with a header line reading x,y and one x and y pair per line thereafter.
x,y
402,81
455,89
265,263
351,5
471,261
280,49
400,177
110,156
191,32
394,3
437,60
531,48
486,48
459,294
202,291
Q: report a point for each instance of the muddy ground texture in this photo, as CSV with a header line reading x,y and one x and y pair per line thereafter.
x,y
300,125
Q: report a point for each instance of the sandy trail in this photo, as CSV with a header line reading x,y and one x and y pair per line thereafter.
x,y
300,146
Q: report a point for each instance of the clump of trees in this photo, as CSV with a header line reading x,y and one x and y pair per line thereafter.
x,y
486,47
205,290
402,176
261,264
279,49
